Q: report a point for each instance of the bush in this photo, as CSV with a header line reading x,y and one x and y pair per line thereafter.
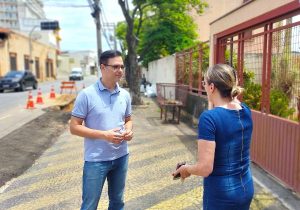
x,y
279,101
279,104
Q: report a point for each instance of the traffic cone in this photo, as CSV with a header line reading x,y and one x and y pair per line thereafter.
x,y
52,93
39,99
30,103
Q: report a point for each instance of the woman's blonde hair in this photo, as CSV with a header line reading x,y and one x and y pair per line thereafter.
x,y
224,77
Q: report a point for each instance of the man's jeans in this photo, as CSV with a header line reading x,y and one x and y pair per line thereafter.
x,y
94,175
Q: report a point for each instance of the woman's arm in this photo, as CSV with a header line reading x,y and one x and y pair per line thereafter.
x,y
205,163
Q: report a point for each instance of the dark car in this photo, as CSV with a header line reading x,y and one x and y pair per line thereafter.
x,y
18,81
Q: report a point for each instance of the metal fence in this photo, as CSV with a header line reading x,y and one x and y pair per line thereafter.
x,y
267,58
190,65
268,62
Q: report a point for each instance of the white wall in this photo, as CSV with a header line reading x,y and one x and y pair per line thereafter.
x,y
161,71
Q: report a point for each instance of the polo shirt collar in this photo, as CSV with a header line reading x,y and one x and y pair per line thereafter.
x,y
102,87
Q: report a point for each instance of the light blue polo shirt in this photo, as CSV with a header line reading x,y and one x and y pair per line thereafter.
x,y
103,110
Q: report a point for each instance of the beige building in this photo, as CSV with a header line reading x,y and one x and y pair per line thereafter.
x,y
16,54
215,9
240,15
85,59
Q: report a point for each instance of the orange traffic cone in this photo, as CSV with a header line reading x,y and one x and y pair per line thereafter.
x,y
39,99
52,93
30,103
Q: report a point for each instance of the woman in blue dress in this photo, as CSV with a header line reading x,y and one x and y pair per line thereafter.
x,y
224,138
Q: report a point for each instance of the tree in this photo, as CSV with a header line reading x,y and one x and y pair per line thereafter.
x,y
135,19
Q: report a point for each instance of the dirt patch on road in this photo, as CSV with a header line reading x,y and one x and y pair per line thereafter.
x,y
22,147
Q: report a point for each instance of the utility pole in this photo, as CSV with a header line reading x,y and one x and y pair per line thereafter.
x,y
96,11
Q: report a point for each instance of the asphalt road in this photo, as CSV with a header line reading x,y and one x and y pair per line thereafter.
x,y
26,133
13,114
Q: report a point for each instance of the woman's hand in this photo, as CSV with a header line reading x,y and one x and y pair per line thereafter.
x,y
182,170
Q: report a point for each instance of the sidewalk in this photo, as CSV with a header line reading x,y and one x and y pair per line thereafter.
x,y
54,181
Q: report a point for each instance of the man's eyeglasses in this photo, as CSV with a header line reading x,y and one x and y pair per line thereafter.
x,y
116,67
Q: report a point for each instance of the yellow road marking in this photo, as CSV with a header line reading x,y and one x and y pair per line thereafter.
x,y
52,168
47,183
44,201
150,187
59,166
262,201
183,201
72,151
43,184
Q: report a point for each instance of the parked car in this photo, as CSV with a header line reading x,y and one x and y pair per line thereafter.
x,y
18,81
76,74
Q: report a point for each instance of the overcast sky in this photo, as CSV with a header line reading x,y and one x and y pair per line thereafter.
x,y
78,30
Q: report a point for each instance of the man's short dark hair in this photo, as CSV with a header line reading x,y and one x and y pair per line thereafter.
x,y
109,54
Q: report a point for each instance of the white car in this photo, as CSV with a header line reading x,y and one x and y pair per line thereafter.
x,y
76,74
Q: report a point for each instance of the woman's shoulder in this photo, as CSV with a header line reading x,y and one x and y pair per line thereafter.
x,y
208,115
245,107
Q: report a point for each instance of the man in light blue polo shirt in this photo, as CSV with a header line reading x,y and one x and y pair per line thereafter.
x,y
102,115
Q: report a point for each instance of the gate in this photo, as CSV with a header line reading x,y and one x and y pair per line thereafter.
x,y
267,58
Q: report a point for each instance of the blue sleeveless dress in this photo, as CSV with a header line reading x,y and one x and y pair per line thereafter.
x,y
230,184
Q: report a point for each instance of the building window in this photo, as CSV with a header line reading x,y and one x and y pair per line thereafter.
x,y
37,68
13,61
49,68
26,62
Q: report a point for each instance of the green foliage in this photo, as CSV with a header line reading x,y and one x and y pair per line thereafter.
x,y
121,34
279,101
205,58
166,28
228,57
284,74
280,104
252,93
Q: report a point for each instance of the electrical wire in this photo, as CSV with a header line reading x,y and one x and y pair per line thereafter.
x,y
104,33
61,3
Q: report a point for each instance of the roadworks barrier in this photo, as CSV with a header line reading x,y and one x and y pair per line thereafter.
x,y
52,93
39,99
30,102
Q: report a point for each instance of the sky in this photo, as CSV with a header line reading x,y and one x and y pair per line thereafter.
x,y
78,30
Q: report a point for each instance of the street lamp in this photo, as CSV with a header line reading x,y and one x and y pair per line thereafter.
x,y
46,25
30,47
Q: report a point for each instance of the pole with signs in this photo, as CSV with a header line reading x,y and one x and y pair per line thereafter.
x,y
30,47
46,25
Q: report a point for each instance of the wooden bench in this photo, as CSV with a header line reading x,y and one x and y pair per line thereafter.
x,y
68,85
171,97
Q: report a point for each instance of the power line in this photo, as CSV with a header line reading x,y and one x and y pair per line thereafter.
x,y
72,6
60,3
104,33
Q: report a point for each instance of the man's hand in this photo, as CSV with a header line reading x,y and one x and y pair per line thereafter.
x,y
128,135
114,136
